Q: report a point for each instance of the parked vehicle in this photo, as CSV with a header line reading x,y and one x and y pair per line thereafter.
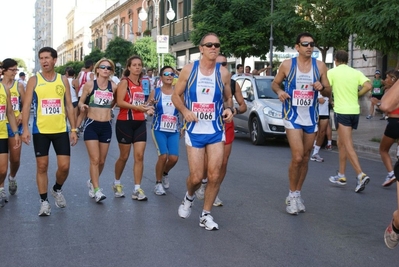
x,y
263,117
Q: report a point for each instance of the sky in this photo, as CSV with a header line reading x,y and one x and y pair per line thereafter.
x,y
17,30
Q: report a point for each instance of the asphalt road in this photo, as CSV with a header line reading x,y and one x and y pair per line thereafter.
x,y
339,228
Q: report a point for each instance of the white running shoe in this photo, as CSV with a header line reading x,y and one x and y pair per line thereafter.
x,y
158,190
12,185
300,205
99,196
60,201
45,209
91,189
139,195
165,181
317,158
337,179
218,202
184,210
292,205
390,237
118,190
361,183
3,197
208,223
389,180
200,193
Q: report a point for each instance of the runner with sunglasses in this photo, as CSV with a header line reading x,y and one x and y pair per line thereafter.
x,y
165,130
98,130
305,77
205,85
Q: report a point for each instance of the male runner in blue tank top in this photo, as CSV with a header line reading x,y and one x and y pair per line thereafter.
x,y
304,78
208,104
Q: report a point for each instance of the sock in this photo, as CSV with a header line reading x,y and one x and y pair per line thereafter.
x,y
204,181
57,187
190,198
158,182
11,178
329,142
360,175
96,189
136,187
341,175
314,143
205,212
43,197
291,194
390,173
316,150
396,230
165,174
117,182
297,193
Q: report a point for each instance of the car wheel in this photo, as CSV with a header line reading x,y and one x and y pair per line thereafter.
x,y
256,132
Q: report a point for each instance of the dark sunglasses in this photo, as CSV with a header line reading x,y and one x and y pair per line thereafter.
x,y
306,44
224,64
167,73
103,67
209,45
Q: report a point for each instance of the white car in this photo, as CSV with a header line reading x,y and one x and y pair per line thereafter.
x,y
263,117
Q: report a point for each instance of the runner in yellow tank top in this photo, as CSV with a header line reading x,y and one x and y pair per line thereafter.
x,y
52,101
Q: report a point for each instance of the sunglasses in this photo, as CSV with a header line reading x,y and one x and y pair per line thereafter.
x,y
167,73
209,45
306,44
224,64
103,67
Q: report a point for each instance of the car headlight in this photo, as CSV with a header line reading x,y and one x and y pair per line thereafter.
x,y
268,111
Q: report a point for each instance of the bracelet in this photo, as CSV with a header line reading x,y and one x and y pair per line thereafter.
x,y
16,132
237,111
231,109
74,130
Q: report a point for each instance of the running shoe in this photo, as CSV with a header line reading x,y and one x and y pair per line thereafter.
x,y
300,205
91,189
317,158
369,117
389,180
361,183
200,193
337,179
328,147
118,190
184,210
158,190
3,197
12,185
139,195
292,205
59,198
207,222
390,237
45,209
165,181
99,196
217,202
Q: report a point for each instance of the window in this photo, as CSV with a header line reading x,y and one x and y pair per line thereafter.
x,y
122,32
180,11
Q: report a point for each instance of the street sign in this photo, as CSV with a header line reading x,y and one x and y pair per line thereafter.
x,y
162,44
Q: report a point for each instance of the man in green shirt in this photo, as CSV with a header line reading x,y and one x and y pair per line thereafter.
x,y
345,81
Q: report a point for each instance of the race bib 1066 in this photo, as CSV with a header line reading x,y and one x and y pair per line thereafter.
x,y
302,98
51,106
168,123
204,111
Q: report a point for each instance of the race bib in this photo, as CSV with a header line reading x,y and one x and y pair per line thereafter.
x,y
14,103
2,112
377,91
51,106
138,98
204,111
168,123
302,98
103,98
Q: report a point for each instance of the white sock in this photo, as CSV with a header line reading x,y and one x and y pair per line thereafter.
x,y
191,198
359,176
205,212
291,194
136,187
390,173
341,175
117,181
316,150
297,193
329,142
204,181
13,178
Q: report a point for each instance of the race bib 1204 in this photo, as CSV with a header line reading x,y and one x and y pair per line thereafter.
x,y
51,106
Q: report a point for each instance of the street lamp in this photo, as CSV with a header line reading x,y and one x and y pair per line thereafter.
x,y
143,16
271,40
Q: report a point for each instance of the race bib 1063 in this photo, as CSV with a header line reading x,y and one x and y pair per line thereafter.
x,y
302,98
51,106
204,111
168,123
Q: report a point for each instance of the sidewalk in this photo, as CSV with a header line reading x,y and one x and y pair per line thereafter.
x,y
368,130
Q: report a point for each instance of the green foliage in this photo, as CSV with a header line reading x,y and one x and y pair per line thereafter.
x,y
119,50
95,55
146,48
375,24
76,65
21,63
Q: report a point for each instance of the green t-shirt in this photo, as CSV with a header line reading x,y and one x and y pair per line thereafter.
x,y
345,82
377,88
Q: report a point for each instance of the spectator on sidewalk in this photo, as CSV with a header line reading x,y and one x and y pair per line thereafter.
x,y
376,93
345,81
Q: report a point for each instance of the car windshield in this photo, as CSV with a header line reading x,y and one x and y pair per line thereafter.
x,y
264,87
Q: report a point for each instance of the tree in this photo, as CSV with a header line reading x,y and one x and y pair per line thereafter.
x,y
76,65
375,24
322,18
243,26
118,50
95,55
146,48
21,63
